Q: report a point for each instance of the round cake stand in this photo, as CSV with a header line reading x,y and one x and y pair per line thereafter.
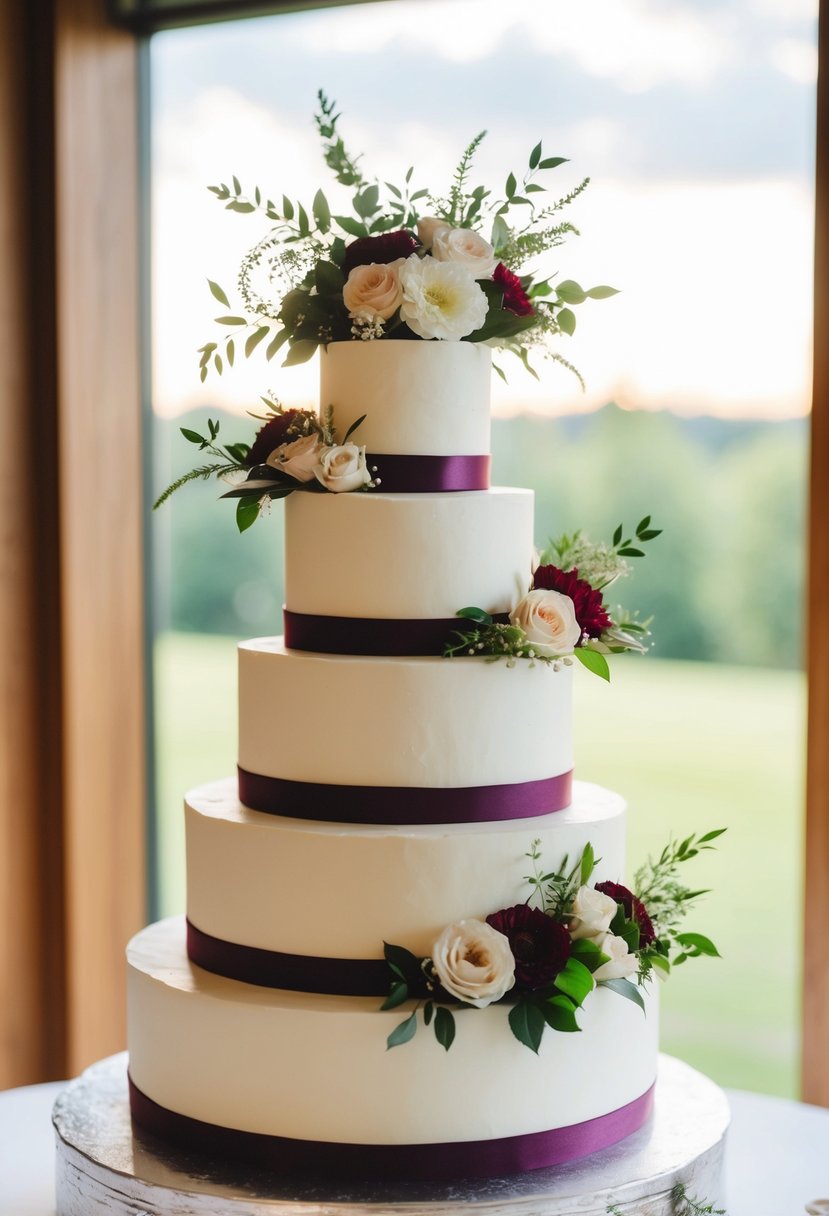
x,y
104,1167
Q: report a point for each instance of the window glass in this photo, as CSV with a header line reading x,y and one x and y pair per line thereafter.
x,y
695,123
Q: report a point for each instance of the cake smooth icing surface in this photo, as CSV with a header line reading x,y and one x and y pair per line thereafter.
x,y
248,872
316,1067
397,722
407,555
418,398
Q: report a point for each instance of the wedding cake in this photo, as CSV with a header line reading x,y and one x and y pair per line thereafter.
x,y
380,799
409,950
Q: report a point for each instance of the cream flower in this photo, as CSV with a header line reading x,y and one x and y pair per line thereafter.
x,y
427,227
373,290
622,963
467,249
548,618
592,913
343,468
474,962
440,299
300,459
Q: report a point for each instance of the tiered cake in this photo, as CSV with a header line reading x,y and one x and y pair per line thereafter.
x,y
383,792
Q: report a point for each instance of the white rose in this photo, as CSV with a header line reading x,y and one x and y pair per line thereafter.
x,y
465,248
592,913
548,618
373,290
300,458
622,963
474,962
428,227
440,299
343,468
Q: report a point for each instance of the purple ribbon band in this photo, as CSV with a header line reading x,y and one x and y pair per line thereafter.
x,y
372,635
430,474
297,972
404,804
324,1160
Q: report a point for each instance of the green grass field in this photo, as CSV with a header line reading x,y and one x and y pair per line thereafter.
x,y
692,746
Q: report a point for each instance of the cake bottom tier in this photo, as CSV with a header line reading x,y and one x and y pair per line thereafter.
x,y
303,1082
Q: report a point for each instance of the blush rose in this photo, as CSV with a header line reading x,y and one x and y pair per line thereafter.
x,y
373,290
474,962
548,619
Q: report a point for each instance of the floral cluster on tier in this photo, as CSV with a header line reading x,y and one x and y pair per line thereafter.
x,y
545,959
403,263
564,613
292,450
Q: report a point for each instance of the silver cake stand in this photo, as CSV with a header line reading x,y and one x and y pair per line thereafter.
x,y
104,1167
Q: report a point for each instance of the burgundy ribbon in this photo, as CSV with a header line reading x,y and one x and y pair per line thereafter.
x,y
324,1160
372,635
429,474
297,972
404,804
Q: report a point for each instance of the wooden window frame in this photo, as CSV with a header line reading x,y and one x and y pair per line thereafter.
x,y
73,735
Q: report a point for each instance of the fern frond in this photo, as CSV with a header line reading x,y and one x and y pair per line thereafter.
x,y
204,473
457,190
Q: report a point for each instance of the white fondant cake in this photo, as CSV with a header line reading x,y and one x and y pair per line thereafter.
x,y
385,798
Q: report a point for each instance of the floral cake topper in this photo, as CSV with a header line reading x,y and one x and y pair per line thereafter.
x,y
402,262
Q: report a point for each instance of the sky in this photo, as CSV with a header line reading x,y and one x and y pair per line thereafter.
x,y
694,120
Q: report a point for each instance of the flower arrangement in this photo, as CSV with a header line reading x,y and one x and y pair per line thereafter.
x,y
564,614
292,450
545,959
389,269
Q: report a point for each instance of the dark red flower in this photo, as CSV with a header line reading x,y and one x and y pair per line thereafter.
x,y
387,247
515,297
591,613
540,946
633,908
280,429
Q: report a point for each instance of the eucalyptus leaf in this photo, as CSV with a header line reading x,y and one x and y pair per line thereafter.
x,y
601,293
626,989
403,1032
566,321
570,292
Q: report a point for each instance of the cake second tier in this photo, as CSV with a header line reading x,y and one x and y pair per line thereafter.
x,y
401,740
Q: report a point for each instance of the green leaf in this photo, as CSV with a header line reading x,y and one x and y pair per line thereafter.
x,y
217,363
712,835
230,320
588,863
230,352
559,1013
322,212
402,1032
617,536
697,941
351,226
303,221
353,427
594,661
402,961
247,513
428,1011
254,340
552,162
237,185
287,207
589,954
276,342
398,993
535,156
329,278
601,293
643,523
511,186
365,201
192,436
475,614
629,552
566,320
444,1026
574,981
500,233
300,352
649,534
660,963
625,988
527,1024
218,293
570,292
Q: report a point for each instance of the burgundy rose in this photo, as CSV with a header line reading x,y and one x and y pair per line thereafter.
x,y
591,613
387,247
633,908
280,429
540,946
515,297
